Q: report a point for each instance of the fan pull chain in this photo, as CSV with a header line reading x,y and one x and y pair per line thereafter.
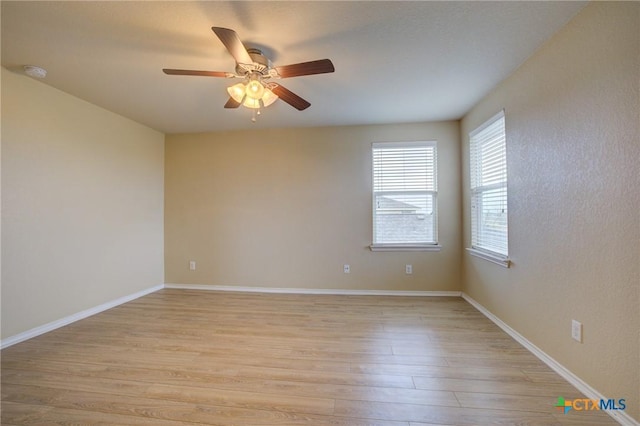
x,y
254,117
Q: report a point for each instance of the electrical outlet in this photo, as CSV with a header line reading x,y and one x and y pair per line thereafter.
x,y
347,269
192,265
576,330
408,269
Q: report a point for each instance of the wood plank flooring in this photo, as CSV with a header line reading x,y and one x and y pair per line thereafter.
x,y
182,357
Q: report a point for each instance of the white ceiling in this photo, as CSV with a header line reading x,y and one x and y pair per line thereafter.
x,y
395,61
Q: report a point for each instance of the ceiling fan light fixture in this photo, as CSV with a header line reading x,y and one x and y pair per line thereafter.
x,y
247,94
251,103
254,88
237,92
268,97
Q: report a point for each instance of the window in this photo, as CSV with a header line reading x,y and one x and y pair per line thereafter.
x,y
404,196
489,230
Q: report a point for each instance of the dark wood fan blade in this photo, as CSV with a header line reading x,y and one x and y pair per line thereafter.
x,y
198,73
232,103
233,44
320,66
289,97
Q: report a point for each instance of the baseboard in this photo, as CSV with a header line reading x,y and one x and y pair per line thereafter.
x,y
21,337
591,393
330,291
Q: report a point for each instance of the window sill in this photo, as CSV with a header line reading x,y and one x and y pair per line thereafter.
x,y
405,247
491,257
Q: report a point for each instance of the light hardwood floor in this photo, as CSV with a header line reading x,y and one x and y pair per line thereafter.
x,y
179,357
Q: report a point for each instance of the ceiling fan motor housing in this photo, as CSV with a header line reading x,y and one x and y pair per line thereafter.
x,y
261,63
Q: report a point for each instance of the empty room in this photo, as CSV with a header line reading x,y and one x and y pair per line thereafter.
x,y
320,213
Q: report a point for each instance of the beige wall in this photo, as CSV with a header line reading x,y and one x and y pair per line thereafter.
x,y
572,117
287,208
82,194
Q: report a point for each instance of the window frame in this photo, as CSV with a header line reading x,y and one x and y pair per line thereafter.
x,y
405,246
476,138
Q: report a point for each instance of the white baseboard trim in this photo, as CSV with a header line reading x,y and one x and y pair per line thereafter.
x,y
591,393
329,291
26,335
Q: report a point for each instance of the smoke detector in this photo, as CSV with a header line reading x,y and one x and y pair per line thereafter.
x,y
34,71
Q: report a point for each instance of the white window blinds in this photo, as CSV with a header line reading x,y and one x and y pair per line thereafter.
x,y
489,227
404,193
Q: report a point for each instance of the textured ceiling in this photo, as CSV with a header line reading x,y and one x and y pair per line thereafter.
x,y
395,61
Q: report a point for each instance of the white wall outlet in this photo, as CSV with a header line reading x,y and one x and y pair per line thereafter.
x,y
347,269
192,265
576,330
408,269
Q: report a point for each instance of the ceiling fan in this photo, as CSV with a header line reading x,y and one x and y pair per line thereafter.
x,y
258,88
